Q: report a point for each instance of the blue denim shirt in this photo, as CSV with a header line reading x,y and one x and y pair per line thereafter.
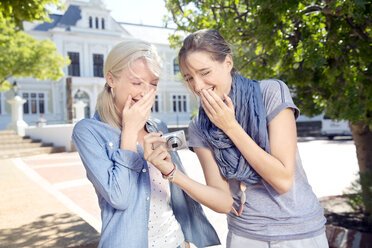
x,y
122,183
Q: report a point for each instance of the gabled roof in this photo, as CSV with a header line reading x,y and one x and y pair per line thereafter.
x,y
68,19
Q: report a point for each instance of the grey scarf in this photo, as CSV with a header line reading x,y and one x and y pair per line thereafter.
x,y
251,114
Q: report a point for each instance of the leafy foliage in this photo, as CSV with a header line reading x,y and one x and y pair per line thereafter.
x,y
24,56
20,54
321,49
26,10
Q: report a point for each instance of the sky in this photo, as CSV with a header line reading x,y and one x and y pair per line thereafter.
x,y
148,12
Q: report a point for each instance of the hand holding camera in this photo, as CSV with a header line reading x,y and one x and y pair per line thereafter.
x,y
158,146
173,141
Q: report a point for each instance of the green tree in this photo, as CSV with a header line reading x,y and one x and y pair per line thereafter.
x,y
26,10
20,54
321,49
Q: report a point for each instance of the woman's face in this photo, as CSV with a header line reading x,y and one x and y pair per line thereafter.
x,y
203,73
135,81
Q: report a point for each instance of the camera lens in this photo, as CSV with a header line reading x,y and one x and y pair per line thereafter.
x,y
173,143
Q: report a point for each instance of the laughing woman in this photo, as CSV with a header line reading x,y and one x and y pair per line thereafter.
x,y
245,139
139,209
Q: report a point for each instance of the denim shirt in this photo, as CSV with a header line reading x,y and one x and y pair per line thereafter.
x,y
122,183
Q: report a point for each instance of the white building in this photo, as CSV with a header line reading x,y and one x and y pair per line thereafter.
x,y
86,32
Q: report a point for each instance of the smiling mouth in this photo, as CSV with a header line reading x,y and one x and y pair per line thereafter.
x,y
211,88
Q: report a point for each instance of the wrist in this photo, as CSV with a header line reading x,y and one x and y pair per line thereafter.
x,y
128,140
231,127
130,128
171,174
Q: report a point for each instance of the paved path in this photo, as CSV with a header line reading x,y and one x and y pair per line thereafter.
x,y
330,166
34,214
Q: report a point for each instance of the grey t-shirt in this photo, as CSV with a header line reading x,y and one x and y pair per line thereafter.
x,y
268,215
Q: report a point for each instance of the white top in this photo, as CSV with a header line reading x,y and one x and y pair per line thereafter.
x,y
164,229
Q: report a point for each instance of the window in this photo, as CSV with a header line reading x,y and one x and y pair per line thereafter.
x,y
103,23
90,22
41,103
176,66
97,22
155,106
35,103
97,65
179,103
74,67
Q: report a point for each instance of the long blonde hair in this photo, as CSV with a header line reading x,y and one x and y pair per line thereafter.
x,y
120,57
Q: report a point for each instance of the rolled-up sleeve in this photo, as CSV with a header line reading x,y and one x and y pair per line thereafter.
x,y
114,173
276,97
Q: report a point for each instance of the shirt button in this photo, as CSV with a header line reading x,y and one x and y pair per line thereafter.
x,y
110,144
144,170
148,198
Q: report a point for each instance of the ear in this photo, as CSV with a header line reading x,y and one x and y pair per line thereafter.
x,y
229,63
110,80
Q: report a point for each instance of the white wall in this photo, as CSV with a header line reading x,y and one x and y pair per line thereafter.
x,y
59,135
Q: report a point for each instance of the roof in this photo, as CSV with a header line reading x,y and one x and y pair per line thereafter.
x,y
68,19
153,34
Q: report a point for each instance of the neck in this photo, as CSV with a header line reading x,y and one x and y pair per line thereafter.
x,y
229,85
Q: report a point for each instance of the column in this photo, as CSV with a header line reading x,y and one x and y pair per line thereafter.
x,y
17,124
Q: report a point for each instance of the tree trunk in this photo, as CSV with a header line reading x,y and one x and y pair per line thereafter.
x,y
69,100
362,136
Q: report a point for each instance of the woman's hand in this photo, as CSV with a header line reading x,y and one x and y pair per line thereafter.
x,y
134,117
220,113
158,156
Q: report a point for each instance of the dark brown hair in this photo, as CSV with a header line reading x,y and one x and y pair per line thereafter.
x,y
205,40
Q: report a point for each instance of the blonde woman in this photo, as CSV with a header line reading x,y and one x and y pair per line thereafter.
x,y
139,208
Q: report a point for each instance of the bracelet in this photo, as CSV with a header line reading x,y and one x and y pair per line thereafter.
x,y
167,175
170,176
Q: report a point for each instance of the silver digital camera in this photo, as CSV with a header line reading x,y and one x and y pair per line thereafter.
x,y
174,141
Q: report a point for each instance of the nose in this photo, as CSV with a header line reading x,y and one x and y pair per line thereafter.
x,y
145,88
198,85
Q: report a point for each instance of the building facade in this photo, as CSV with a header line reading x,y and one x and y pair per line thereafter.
x,y
85,33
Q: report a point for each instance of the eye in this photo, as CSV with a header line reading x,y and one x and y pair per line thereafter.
x,y
205,73
155,84
137,83
189,79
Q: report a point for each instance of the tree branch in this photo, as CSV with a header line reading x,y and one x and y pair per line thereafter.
x,y
223,10
357,30
214,13
312,8
235,9
250,60
181,10
241,15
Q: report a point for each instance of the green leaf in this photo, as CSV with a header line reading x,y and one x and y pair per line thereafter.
x,y
24,56
323,51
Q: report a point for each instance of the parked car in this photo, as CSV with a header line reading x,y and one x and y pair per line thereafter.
x,y
331,128
321,125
